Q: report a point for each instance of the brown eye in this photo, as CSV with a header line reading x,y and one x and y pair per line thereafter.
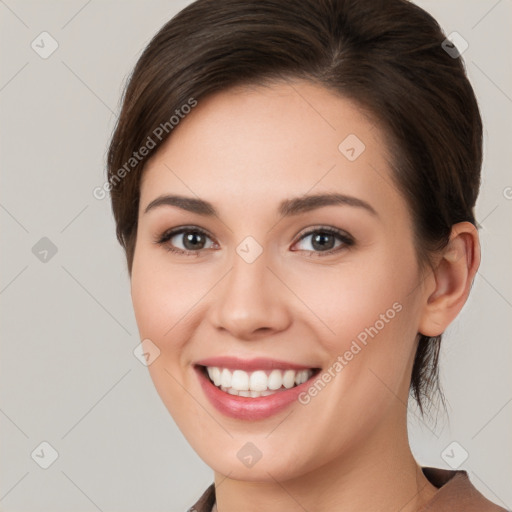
x,y
192,240
323,240
184,240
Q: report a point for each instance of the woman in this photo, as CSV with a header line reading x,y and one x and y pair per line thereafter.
x,y
294,186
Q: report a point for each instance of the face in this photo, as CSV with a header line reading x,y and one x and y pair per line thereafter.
x,y
272,286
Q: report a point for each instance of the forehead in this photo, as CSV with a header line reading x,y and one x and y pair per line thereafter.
x,y
257,145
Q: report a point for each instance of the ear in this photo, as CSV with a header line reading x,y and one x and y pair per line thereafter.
x,y
452,279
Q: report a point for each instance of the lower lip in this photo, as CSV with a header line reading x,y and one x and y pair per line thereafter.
x,y
246,408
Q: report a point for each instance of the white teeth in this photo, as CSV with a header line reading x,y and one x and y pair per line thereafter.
x,y
257,383
225,378
275,379
289,379
214,374
302,376
240,380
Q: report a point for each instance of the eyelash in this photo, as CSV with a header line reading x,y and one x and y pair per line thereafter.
x,y
162,240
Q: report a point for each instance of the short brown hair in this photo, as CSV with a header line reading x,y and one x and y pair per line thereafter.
x,y
386,55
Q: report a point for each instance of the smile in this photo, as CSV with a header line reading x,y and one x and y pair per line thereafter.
x,y
255,389
257,383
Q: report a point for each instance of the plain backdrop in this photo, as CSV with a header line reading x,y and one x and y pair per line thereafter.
x,y
68,375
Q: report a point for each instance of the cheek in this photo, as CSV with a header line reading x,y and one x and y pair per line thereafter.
x,y
358,296
168,302
156,308
161,295
368,320
159,303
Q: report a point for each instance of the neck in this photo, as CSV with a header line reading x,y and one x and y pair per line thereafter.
x,y
380,474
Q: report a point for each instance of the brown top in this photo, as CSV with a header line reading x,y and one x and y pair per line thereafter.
x,y
456,493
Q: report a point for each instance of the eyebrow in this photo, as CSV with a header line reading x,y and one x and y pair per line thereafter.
x,y
287,207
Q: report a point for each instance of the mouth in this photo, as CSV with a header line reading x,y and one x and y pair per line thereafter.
x,y
257,383
254,389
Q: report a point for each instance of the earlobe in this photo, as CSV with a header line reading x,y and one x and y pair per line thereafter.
x,y
453,277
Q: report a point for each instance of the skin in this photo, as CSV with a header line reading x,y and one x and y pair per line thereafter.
x,y
245,150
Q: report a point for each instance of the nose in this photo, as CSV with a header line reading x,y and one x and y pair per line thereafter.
x,y
251,301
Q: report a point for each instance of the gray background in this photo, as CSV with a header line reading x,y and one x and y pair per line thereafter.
x,y
68,373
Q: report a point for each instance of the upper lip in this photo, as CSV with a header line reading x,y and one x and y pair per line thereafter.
x,y
258,363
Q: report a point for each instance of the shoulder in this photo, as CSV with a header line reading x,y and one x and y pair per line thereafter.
x,y
456,492
205,502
